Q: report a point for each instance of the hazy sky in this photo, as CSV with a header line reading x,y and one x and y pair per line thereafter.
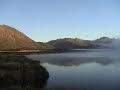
x,y
43,20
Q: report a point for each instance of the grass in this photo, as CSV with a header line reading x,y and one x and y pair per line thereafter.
x,y
16,70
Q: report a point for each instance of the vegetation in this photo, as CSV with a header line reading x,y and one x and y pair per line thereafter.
x,y
18,71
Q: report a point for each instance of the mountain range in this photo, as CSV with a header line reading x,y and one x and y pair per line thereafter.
x,y
12,39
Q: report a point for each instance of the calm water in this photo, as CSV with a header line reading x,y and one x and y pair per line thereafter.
x,y
82,69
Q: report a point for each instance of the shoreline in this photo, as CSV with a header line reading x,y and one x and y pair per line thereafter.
x,y
16,70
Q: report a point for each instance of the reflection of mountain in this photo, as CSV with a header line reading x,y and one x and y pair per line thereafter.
x,y
76,61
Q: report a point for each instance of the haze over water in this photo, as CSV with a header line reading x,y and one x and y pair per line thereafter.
x,y
93,68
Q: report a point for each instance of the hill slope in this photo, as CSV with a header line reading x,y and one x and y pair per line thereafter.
x,y
42,45
76,43
12,39
70,43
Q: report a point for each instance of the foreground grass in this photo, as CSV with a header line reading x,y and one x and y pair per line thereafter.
x,y
18,71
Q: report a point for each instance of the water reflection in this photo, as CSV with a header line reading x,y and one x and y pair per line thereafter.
x,y
67,62
72,58
82,70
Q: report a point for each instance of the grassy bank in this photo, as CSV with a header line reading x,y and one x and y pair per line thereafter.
x,y
18,71
35,51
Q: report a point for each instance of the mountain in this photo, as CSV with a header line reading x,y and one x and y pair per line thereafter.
x,y
42,45
12,39
71,43
76,43
104,40
67,43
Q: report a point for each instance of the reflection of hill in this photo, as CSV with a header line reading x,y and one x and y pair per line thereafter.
x,y
76,61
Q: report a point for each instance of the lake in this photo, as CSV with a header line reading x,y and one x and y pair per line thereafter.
x,y
84,68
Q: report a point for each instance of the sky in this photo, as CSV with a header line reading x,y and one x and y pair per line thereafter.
x,y
44,20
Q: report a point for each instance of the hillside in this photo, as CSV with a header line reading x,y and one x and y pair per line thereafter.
x,y
71,43
76,43
42,45
12,39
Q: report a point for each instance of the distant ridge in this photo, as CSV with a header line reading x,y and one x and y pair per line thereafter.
x,y
42,45
67,43
12,39
76,43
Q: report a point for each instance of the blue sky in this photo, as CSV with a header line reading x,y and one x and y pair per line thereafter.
x,y
44,20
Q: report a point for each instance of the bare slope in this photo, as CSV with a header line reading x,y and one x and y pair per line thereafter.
x,y
12,39
76,43
68,43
